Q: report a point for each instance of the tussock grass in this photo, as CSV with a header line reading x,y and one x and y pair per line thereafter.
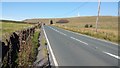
x,y
107,26
102,33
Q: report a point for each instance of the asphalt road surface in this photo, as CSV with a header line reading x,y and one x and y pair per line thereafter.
x,y
72,49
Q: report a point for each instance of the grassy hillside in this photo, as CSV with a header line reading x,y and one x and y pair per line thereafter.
x,y
107,26
104,21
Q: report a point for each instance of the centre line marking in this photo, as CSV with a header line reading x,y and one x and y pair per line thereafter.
x,y
79,40
117,57
70,37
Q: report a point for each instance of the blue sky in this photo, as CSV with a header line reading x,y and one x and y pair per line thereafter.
x,y
58,0
24,10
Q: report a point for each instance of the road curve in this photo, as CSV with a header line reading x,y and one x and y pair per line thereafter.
x,y
71,49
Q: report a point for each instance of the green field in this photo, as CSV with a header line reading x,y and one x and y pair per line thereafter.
x,y
7,27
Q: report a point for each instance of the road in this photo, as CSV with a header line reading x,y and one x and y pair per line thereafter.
x,y
72,49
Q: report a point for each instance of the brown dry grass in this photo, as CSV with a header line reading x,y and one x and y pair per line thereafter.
x,y
106,34
107,26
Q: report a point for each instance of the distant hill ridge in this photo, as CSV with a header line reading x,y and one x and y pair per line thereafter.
x,y
75,19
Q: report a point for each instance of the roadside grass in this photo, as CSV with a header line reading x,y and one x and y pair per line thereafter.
x,y
44,44
107,26
103,33
28,55
35,45
8,27
24,56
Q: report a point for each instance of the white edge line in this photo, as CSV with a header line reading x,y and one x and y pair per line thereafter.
x,y
53,56
117,57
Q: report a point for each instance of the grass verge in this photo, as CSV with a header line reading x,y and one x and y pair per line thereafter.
x,y
102,34
29,51
35,45
44,44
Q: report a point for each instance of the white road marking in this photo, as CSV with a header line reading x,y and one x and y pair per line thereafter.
x,y
79,40
117,57
62,33
92,37
53,56
96,47
58,31
70,37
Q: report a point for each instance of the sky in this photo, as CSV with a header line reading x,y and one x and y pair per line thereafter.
x,y
28,10
58,0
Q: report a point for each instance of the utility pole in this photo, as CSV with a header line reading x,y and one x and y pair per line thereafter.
x,y
98,14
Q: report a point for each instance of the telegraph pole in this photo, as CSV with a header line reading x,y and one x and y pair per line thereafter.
x,y
98,14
